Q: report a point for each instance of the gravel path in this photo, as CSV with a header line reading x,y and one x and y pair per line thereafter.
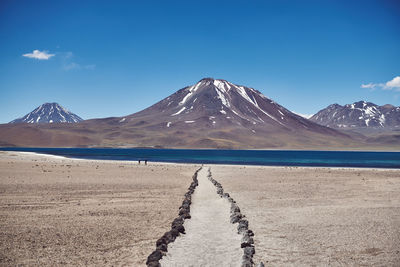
x,y
210,239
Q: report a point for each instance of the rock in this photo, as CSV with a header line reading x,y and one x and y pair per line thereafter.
x,y
185,206
178,220
167,238
170,236
174,233
235,208
243,226
180,228
153,264
155,256
235,217
247,263
247,260
246,241
250,232
178,225
186,215
260,264
183,211
160,241
162,248
249,251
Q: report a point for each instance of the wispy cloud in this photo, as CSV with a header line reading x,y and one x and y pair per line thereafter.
x,y
70,64
76,66
393,84
40,55
372,85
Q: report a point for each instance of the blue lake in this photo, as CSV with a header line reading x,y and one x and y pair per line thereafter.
x,y
244,157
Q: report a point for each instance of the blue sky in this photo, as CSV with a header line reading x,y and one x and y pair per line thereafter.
x,y
114,58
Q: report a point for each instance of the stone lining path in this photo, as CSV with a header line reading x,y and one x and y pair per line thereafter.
x,y
210,239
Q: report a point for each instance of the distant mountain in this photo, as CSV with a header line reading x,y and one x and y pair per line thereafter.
x,y
49,113
358,115
212,113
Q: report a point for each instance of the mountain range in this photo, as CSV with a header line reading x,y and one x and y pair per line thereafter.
x,y
213,113
359,115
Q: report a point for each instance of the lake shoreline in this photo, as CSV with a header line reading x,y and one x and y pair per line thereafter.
x,y
345,159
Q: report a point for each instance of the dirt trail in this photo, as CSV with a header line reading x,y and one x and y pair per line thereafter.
x,y
210,239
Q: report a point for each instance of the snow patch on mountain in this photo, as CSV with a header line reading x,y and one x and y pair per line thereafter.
x,y
221,96
179,112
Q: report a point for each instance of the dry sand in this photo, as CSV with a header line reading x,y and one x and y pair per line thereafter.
x,y
56,211
318,216
210,239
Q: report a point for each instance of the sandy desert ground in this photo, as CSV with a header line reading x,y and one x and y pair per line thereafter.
x,y
318,216
56,211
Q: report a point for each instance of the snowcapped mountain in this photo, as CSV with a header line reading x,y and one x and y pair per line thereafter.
x,y
218,113
49,113
214,103
358,115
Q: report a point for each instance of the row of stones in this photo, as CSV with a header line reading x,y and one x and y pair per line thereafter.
x,y
177,228
247,242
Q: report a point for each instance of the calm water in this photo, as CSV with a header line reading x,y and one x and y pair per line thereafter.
x,y
248,157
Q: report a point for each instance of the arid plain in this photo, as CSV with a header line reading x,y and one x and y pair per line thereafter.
x,y
319,216
56,211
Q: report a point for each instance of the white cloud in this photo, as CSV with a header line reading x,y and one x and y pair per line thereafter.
x,y
41,55
393,84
